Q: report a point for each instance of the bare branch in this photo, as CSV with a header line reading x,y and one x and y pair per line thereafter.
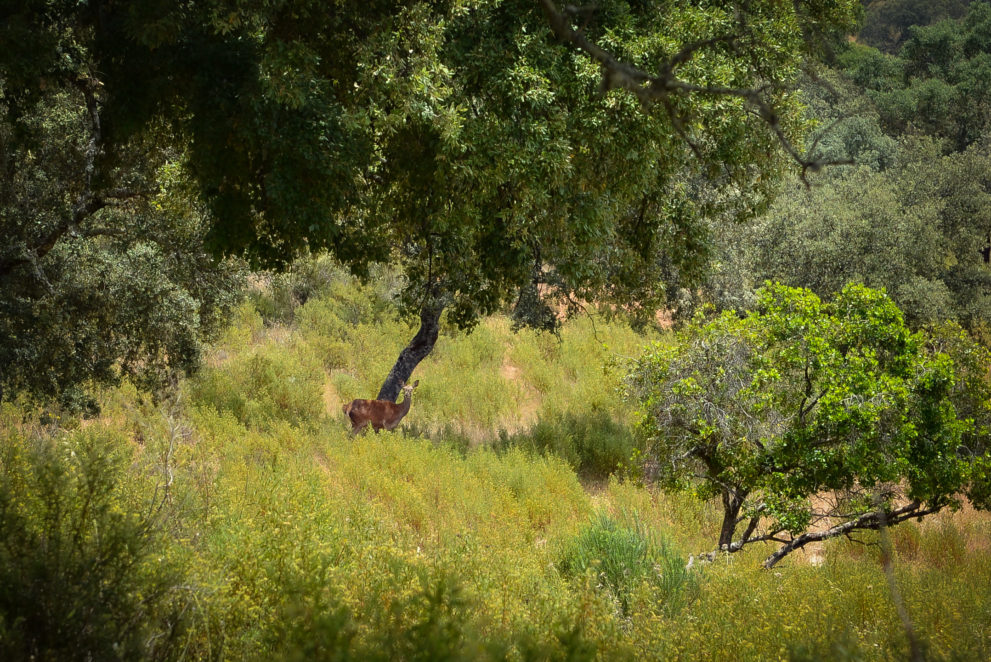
x,y
869,521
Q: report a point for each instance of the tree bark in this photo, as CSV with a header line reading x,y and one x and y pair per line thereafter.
x,y
418,349
732,501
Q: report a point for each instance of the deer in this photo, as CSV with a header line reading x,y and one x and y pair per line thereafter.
x,y
381,414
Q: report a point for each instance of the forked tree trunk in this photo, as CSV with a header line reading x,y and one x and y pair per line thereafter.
x,y
417,350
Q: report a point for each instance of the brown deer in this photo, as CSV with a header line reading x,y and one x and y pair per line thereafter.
x,y
381,414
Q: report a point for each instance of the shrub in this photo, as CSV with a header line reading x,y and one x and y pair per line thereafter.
x,y
625,559
80,576
592,443
280,295
265,386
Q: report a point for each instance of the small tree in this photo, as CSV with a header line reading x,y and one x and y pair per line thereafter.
x,y
812,420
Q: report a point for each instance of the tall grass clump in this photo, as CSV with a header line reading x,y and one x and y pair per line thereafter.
x,y
624,561
84,571
464,383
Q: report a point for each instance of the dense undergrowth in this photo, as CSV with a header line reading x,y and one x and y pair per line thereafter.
x,y
502,521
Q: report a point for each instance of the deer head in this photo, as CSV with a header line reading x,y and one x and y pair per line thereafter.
x,y
380,414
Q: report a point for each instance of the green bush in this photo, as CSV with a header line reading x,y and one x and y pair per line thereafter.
x,y
624,560
432,623
83,575
843,648
279,295
284,298
592,443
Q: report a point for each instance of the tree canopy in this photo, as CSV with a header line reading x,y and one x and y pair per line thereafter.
x,y
910,214
887,23
462,140
808,414
103,275
937,83
917,229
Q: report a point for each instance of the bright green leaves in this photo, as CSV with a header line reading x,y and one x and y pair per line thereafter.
x,y
801,397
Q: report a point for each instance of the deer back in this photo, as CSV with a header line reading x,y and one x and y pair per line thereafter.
x,y
381,414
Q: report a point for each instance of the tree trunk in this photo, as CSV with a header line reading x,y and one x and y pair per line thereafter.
x,y
417,350
732,501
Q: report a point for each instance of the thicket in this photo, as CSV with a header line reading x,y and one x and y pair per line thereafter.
x,y
86,570
99,286
257,532
888,23
937,82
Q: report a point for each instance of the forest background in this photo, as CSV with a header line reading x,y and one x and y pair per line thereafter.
x,y
177,478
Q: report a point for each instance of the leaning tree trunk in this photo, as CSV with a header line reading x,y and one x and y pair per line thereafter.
x,y
417,350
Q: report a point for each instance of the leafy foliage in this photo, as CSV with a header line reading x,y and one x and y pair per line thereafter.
x,y
81,571
915,230
910,215
510,126
802,397
909,219
888,23
938,82
457,140
98,285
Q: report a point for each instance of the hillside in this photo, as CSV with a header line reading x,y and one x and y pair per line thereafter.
x,y
250,525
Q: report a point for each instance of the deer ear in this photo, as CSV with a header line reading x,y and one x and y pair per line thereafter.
x,y
416,383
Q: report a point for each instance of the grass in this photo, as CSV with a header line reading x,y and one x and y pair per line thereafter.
x,y
497,523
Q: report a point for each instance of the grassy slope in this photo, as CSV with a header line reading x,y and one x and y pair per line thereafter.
x,y
453,541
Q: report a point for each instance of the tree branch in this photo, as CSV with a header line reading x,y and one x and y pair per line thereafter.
x,y
618,74
88,205
649,88
869,521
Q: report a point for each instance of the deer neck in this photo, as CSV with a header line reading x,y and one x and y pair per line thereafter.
x,y
404,405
